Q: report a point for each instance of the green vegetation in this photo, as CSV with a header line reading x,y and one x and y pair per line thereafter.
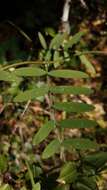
x,y
52,135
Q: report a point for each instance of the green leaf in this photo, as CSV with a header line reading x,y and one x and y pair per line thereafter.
x,y
23,188
30,173
57,41
43,132
8,76
52,148
74,107
37,186
31,94
74,40
29,72
77,123
48,56
37,171
50,31
56,58
65,73
80,186
70,90
79,143
3,163
89,182
87,64
68,173
97,160
63,187
42,40
6,187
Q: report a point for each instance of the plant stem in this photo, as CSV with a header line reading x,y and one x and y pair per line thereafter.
x,y
77,53
20,31
50,101
66,10
24,63
65,25
62,155
30,174
25,109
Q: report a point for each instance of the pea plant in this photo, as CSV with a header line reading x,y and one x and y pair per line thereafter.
x,y
55,75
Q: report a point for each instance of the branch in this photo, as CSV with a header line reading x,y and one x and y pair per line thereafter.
x,y
66,10
83,4
65,26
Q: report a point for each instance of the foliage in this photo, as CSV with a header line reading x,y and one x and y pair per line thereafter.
x,y
54,65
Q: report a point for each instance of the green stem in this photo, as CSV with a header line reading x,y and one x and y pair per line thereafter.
x,y
24,63
50,101
30,174
78,53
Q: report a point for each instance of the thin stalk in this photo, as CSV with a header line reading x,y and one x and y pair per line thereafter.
x,y
83,4
30,174
62,155
50,101
20,31
65,25
66,10
26,108
78,53
24,63
49,98
14,65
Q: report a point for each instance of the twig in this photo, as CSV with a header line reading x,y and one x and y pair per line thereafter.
x,y
25,63
65,25
4,106
66,10
78,53
30,174
19,30
26,107
83,4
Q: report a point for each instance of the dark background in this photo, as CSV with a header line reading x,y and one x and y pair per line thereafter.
x,y
43,13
